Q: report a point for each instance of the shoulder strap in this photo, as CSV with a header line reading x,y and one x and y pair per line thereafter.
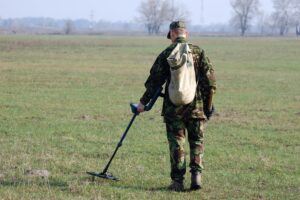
x,y
196,63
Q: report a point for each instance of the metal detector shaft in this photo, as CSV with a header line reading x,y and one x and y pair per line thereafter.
x,y
135,112
120,142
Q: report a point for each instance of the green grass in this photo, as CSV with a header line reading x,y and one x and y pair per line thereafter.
x,y
64,104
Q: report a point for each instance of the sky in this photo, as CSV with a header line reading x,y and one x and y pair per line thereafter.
x,y
214,11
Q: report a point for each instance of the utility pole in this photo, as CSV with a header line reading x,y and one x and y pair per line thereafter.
x,y
92,20
202,12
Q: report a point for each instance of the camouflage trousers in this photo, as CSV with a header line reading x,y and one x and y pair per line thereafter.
x,y
176,133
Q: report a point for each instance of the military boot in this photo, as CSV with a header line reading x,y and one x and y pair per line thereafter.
x,y
196,181
176,186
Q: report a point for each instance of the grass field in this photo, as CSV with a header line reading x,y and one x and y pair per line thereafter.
x,y
64,104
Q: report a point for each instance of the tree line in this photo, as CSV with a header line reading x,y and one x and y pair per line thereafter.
x,y
154,16
154,13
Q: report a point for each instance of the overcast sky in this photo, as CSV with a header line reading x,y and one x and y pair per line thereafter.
x,y
215,11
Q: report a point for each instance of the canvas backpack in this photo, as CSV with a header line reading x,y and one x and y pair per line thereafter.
x,y
182,87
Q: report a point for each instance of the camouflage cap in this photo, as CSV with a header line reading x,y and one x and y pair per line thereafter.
x,y
175,25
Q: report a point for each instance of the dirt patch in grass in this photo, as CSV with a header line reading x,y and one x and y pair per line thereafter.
x,y
43,173
229,116
86,117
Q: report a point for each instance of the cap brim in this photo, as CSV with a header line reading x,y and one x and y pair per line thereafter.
x,y
169,35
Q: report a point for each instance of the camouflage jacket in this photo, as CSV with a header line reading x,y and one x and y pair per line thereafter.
x,y
160,75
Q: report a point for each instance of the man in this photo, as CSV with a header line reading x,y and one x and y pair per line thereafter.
x,y
182,118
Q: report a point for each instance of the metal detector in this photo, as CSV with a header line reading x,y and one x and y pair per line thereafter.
x,y
104,174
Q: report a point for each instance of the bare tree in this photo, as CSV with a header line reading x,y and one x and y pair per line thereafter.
x,y
178,11
150,14
262,22
154,13
244,11
282,15
296,15
68,27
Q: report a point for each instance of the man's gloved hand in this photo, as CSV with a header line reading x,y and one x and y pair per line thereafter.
x,y
140,107
208,113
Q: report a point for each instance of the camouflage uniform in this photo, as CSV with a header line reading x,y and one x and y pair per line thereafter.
x,y
189,117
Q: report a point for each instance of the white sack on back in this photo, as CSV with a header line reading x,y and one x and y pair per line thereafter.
x,y
182,87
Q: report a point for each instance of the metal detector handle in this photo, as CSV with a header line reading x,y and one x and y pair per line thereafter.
x,y
149,106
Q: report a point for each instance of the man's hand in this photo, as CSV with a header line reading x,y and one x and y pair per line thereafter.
x,y
140,107
209,113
